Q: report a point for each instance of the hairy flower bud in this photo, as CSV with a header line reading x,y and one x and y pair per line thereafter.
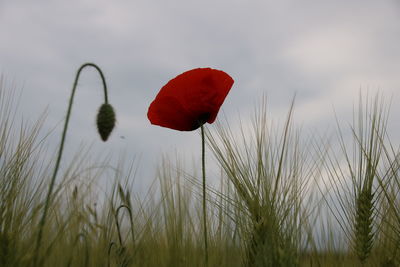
x,y
105,121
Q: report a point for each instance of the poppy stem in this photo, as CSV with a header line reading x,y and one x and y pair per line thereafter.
x,y
203,165
42,221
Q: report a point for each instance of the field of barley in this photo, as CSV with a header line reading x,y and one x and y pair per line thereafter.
x,y
283,199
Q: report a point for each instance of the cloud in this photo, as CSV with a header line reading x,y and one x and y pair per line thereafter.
x,y
325,52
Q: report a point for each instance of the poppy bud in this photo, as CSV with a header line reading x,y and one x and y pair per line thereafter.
x,y
105,121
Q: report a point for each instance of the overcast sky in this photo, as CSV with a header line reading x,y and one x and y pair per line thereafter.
x,y
325,51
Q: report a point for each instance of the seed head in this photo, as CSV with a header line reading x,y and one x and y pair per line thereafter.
x,y
105,121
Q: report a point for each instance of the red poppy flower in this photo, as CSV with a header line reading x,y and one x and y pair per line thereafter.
x,y
190,99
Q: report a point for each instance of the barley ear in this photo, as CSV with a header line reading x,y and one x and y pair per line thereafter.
x,y
364,234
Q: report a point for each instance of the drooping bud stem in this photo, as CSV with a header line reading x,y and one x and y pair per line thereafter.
x,y
53,178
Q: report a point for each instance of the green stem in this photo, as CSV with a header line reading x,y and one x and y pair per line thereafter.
x,y
109,253
130,220
53,178
203,165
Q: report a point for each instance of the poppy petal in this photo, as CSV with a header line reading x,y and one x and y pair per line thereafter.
x,y
208,93
190,99
168,112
